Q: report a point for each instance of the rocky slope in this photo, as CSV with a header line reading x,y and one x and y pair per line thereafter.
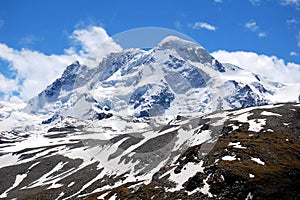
x,y
251,153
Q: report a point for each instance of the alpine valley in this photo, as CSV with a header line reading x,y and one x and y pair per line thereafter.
x,y
171,122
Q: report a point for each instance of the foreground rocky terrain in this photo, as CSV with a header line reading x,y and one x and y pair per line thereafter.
x,y
251,153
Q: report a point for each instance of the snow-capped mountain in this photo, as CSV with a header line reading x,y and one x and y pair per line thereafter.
x,y
153,125
176,77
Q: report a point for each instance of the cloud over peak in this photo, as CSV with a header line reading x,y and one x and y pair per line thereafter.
x,y
35,70
269,66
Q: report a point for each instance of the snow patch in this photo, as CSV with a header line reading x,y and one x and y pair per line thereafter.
x,y
234,127
102,196
189,170
8,160
270,114
60,195
70,184
256,125
249,196
236,145
229,158
257,160
18,180
42,180
242,117
206,187
114,197
55,185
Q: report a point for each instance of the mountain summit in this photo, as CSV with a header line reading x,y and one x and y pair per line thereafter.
x,y
177,77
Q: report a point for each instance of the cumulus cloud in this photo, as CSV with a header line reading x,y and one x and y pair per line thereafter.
x,y
269,66
93,37
35,70
252,26
32,66
95,44
204,25
293,53
7,85
218,1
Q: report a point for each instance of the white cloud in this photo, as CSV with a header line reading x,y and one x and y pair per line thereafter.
x,y
90,38
252,26
7,85
95,43
218,1
204,25
269,66
262,34
255,2
291,21
35,70
291,2
33,66
293,53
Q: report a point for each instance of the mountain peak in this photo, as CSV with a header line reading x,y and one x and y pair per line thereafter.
x,y
176,77
174,41
172,38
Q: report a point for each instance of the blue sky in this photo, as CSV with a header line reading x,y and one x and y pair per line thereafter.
x,y
265,29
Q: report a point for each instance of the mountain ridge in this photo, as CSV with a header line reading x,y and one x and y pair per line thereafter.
x,y
169,77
